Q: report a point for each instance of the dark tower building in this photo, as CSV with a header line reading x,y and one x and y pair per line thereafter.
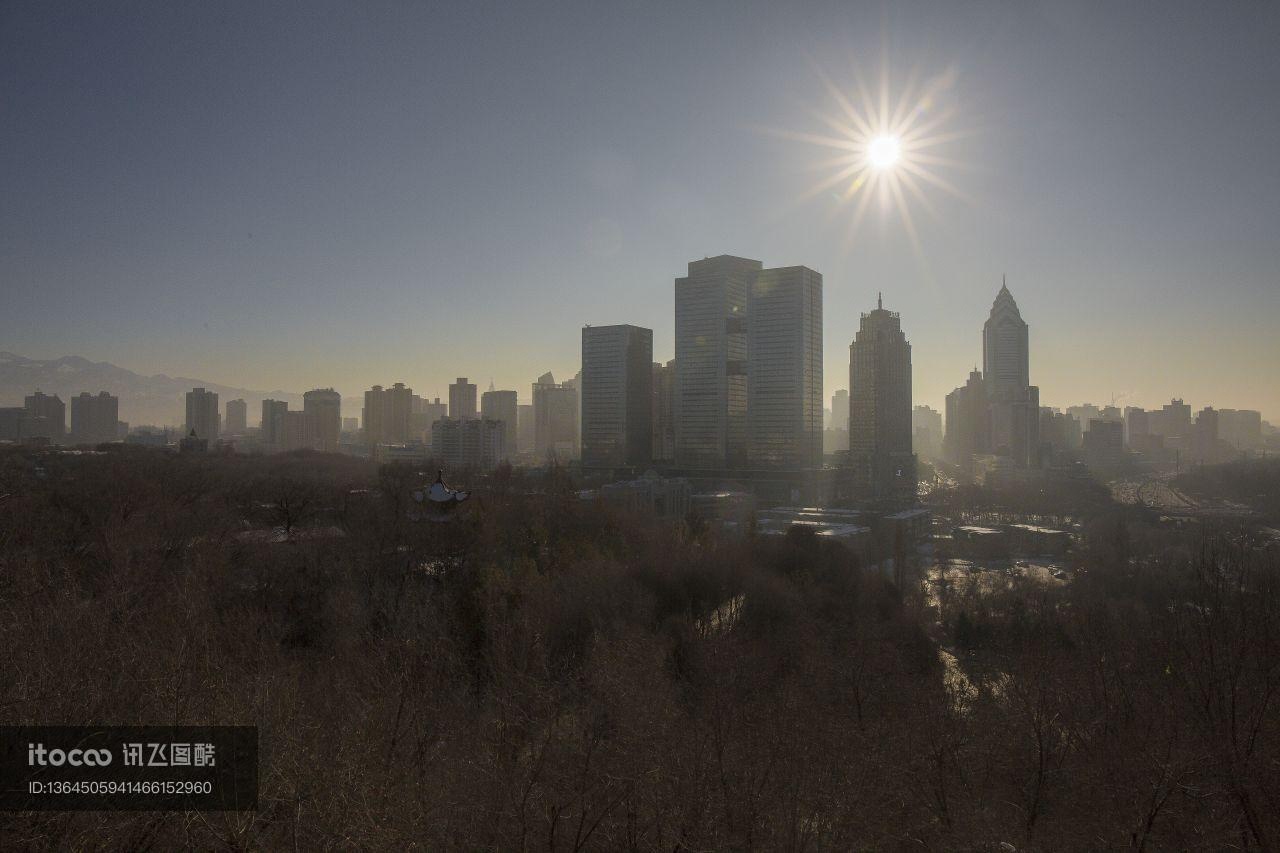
x,y
880,407
617,396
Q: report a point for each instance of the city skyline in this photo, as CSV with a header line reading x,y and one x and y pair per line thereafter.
x,y
303,248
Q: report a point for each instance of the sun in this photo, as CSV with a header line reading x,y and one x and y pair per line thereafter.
x,y
884,151
884,145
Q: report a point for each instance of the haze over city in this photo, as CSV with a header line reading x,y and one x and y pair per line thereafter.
x,y
339,195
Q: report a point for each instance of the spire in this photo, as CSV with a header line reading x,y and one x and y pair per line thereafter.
x,y
879,300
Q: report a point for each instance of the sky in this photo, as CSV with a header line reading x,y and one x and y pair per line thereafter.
x,y
293,195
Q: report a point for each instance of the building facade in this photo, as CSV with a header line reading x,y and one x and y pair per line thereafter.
x,y
271,429
323,410
473,443
503,407
880,407
202,414
711,305
617,396
784,369
462,400
555,417
1014,402
387,414
94,418
237,418
46,417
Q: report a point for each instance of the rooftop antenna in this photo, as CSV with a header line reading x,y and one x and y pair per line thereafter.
x,y
879,300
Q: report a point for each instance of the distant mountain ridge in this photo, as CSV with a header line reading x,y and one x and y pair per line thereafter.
x,y
158,400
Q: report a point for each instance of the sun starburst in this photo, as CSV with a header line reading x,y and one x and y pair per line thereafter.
x,y
883,147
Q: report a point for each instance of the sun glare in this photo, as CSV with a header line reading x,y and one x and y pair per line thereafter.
x,y
884,145
883,151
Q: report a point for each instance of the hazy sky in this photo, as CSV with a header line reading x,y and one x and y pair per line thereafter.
x,y
286,195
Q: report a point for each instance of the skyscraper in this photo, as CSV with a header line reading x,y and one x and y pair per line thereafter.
x,y
237,420
968,420
1005,354
94,418
386,414
880,407
525,428
502,406
1014,402
664,424
202,414
462,400
617,396
473,443
323,410
52,410
271,430
784,369
840,409
711,305
555,417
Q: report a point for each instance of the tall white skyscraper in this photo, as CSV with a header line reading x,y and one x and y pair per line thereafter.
x,y
617,396
711,305
784,369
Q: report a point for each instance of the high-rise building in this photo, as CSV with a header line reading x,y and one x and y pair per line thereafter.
x,y
237,420
94,419
473,443
1136,423
664,424
1014,402
555,415
1241,428
711,305
350,425
840,409
387,414
1174,420
323,410
53,410
502,406
784,369
295,431
462,400
271,430
880,407
968,420
1104,443
525,428
926,432
425,413
1059,430
617,396
202,414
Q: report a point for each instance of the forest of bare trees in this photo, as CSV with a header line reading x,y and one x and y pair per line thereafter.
x,y
538,672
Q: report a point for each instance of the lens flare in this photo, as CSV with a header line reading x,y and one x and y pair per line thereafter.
x,y
883,147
